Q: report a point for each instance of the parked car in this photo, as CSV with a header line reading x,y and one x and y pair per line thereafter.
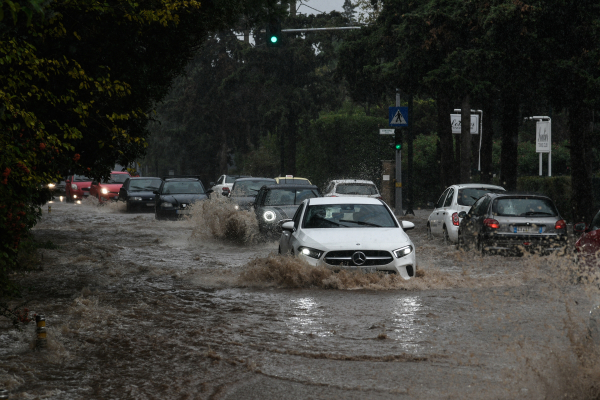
x,y
500,222
109,190
351,187
587,247
175,196
444,220
225,183
244,191
292,180
353,233
277,202
138,193
77,187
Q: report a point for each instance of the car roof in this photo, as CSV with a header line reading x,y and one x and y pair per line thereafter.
x,y
119,172
181,179
352,181
344,200
144,177
291,186
518,194
476,185
254,179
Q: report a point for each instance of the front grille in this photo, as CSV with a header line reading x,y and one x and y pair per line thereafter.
x,y
373,257
87,189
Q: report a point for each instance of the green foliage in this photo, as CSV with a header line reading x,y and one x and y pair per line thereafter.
x,y
528,159
343,146
558,188
426,170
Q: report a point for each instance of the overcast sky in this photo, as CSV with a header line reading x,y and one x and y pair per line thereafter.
x,y
321,5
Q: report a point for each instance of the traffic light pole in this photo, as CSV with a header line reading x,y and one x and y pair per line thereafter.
x,y
409,177
398,184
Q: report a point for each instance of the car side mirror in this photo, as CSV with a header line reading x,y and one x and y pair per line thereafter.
x,y
407,225
580,228
462,214
288,226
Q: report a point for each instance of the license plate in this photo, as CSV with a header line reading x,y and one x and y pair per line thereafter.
x,y
180,212
369,270
526,229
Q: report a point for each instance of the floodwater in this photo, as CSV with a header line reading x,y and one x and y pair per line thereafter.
x,y
205,309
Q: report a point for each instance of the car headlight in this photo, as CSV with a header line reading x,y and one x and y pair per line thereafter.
x,y
74,186
51,185
166,204
236,207
269,216
135,198
403,251
104,190
307,251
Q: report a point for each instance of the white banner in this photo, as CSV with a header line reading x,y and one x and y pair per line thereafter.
x,y
455,119
543,137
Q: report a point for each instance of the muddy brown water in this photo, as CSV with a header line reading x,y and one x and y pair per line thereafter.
x,y
205,309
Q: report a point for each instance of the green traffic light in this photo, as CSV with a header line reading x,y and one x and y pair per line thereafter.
x,y
274,39
398,147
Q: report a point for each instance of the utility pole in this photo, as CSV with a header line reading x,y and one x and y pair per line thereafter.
x,y
409,175
398,192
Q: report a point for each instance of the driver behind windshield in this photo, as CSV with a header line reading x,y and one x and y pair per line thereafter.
x,y
183,188
348,216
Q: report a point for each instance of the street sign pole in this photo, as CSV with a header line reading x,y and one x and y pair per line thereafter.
x,y
543,139
398,183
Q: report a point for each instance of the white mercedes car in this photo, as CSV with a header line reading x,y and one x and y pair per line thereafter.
x,y
352,233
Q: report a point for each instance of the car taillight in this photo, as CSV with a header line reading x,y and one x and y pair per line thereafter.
x,y
560,224
455,219
225,189
491,223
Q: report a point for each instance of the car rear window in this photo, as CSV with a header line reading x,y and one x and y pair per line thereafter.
x,y
364,189
231,179
293,181
468,196
524,207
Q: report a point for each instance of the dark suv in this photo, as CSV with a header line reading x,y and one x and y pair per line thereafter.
x,y
176,194
513,223
276,202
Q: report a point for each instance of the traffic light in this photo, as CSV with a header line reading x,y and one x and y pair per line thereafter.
x,y
273,34
398,140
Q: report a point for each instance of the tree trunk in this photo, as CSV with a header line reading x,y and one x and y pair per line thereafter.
x,y
223,153
510,143
290,158
487,142
465,145
444,130
456,169
581,188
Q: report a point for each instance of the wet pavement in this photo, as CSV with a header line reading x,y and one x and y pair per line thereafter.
x,y
145,309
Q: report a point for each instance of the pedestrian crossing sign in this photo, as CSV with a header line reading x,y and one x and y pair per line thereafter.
x,y
398,116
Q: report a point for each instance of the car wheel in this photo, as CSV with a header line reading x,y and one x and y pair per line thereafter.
x,y
446,237
429,235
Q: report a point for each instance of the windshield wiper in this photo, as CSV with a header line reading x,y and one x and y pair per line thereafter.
x,y
360,222
535,213
326,220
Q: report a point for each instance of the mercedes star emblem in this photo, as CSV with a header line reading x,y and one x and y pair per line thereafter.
x,y
359,258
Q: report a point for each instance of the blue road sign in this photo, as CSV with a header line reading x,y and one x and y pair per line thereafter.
x,y
398,116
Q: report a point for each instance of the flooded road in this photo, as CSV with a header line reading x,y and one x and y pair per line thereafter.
x,y
145,309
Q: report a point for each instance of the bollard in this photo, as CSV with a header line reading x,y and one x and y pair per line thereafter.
x,y
3,394
41,341
49,208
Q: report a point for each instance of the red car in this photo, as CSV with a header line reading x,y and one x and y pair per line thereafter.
x,y
77,187
109,190
587,246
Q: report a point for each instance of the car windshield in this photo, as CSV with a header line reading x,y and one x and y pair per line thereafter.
x,y
294,181
191,187
249,188
468,196
288,197
144,184
81,178
356,188
348,216
118,178
523,207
